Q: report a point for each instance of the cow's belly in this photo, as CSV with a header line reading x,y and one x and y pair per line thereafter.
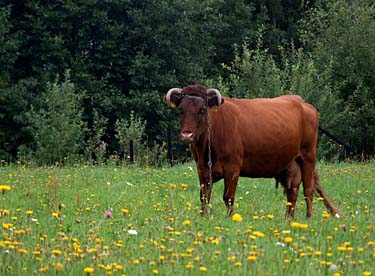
x,y
267,165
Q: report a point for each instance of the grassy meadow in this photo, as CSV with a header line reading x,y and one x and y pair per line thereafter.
x,y
108,220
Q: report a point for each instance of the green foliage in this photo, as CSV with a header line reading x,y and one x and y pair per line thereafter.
x,y
95,146
57,124
341,37
125,55
131,133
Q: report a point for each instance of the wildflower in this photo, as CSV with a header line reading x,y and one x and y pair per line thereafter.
x,y
270,216
237,217
251,258
155,271
366,273
22,251
325,215
56,252
7,226
343,226
190,265
4,188
29,212
288,240
124,212
294,224
88,270
303,226
108,213
186,222
203,268
132,232
173,186
237,264
59,266
184,186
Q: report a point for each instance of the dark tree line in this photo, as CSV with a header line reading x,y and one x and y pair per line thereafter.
x,y
104,66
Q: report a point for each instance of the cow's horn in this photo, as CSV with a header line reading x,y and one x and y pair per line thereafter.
x,y
217,93
169,93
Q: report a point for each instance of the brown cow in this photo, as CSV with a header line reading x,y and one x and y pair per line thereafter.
x,y
250,138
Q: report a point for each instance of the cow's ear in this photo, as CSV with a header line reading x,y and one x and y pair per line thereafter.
x,y
173,97
214,99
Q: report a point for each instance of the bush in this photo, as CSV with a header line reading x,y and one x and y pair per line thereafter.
x,y
57,125
131,133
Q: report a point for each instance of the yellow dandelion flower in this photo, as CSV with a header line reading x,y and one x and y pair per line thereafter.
x,y
58,266
173,186
288,240
325,215
88,270
186,222
237,217
124,211
56,252
29,212
118,267
7,226
251,258
184,186
303,226
155,271
237,264
295,225
4,188
270,216
203,268
366,273
22,251
190,265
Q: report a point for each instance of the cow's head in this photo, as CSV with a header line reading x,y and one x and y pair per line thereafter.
x,y
193,103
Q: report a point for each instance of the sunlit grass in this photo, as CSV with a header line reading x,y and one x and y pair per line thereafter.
x,y
142,221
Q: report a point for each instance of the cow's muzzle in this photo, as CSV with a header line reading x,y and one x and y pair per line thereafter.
x,y
187,137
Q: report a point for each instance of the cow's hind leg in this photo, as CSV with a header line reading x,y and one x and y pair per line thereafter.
x,y
230,185
307,170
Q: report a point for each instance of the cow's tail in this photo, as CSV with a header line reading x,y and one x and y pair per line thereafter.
x,y
326,200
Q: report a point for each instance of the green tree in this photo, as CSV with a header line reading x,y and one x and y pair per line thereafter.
x,y
57,124
341,35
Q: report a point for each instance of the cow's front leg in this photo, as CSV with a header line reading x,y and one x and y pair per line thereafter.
x,y
230,185
205,195
291,194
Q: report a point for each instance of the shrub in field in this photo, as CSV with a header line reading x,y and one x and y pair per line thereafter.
x,y
131,135
57,123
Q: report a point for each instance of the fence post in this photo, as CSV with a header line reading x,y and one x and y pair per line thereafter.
x,y
131,151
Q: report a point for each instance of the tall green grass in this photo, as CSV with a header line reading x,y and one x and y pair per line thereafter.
x,y
84,220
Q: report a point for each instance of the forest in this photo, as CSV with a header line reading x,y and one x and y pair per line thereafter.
x,y
84,80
